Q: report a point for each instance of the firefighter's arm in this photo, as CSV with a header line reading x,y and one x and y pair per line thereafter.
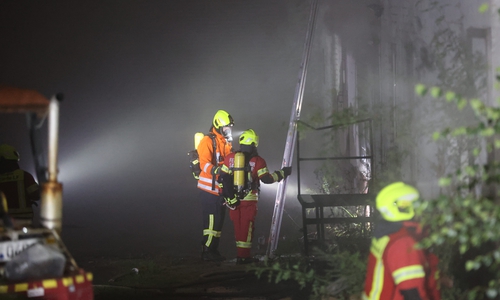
x,y
205,153
276,176
406,265
33,192
226,183
32,188
7,220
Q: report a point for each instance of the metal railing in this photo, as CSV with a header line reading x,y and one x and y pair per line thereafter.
x,y
331,206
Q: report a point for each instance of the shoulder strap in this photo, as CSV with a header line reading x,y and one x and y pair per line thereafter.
x,y
214,157
249,184
214,143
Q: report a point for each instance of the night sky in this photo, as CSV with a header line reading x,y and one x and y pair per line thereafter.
x,y
140,78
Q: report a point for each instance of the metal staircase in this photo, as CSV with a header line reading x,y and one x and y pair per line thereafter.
x,y
327,203
339,207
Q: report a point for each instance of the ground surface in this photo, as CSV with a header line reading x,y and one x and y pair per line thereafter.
x,y
163,277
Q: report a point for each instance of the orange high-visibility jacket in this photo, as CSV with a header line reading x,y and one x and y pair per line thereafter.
x,y
205,153
395,265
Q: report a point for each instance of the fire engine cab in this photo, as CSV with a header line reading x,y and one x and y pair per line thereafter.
x,y
34,262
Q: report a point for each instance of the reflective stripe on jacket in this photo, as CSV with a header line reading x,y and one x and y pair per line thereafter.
x,y
205,153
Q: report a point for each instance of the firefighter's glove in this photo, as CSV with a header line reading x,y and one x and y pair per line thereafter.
x,y
216,170
232,202
282,174
286,171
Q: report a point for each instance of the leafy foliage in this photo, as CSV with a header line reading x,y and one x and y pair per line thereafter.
x,y
340,274
466,218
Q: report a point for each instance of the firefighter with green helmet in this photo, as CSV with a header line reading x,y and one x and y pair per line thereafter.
x,y
397,269
212,150
241,175
19,187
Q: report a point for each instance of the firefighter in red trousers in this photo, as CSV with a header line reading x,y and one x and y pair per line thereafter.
x,y
397,269
212,150
244,208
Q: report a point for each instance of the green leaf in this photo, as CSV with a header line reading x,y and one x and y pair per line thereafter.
x,y
459,131
436,92
472,295
491,293
470,171
469,265
444,181
487,132
450,96
436,135
476,104
451,233
483,8
461,103
420,89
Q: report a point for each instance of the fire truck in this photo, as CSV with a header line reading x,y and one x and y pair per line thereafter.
x,y
34,262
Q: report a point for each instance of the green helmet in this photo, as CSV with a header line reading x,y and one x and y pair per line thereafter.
x,y
394,202
9,153
249,137
222,118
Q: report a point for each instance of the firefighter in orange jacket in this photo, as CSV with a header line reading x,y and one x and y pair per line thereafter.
x,y
397,269
19,187
244,207
212,150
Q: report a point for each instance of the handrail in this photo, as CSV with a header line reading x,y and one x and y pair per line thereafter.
x,y
335,125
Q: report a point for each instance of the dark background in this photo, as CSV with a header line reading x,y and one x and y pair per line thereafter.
x,y
140,78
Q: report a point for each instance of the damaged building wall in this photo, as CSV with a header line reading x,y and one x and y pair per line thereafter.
x,y
409,54
369,55
343,74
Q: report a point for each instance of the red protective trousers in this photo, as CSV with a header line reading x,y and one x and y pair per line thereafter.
x,y
243,218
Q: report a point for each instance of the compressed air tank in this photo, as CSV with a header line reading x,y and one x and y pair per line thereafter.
x,y
239,171
197,139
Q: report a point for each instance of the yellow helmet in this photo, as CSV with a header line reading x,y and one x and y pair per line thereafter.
x,y
248,137
394,202
9,153
222,118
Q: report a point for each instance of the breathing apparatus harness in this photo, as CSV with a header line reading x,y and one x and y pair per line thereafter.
x,y
194,158
240,174
237,183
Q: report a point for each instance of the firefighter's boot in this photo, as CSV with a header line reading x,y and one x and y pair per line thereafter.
x,y
208,254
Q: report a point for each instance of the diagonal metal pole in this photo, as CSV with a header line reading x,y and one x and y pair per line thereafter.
x,y
279,203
